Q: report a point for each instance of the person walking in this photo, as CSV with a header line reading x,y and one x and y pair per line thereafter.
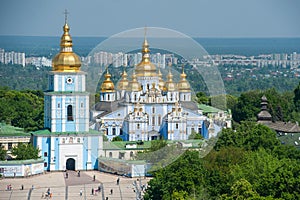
x,y
80,192
111,191
92,191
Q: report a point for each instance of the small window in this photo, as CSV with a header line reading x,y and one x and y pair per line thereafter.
x,y
71,140
121,155
114,131
159,120
110,154
70,113
45,154
153,109
63,140
153,120
81,105
45,164
177,126
138,126
58,105
78,140
9,146
131,154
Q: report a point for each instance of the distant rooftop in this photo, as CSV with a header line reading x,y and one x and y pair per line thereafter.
x,y
208,109
8,130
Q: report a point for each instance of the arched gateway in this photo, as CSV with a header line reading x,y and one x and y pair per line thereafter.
x,y
70,164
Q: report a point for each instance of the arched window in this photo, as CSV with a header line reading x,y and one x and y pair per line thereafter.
x,y
70,113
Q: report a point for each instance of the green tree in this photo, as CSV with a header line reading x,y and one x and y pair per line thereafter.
x,y
25,151
202,98
248,135
268,175
2,153
195,136
117,138
297,97
23,109
184,176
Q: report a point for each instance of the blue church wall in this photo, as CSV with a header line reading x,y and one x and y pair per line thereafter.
x,y
94,152
46,143
56,155
204,129
85,152
125,128
164,130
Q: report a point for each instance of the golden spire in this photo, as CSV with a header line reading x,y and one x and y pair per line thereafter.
x,y
161,82
66,60
145,67
107,85
123,83
134,85
183,84
170,85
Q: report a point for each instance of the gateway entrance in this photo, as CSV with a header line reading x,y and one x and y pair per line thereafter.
x,y
70,164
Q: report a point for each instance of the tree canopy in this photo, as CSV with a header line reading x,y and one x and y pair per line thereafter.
x,y
25,151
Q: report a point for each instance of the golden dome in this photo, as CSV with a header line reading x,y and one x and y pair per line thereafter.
x,y
170,85
161,82
134,85
66,60
183,84
123,83
107,85
145,67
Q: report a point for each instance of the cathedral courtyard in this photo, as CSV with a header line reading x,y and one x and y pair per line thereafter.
x,y
70,187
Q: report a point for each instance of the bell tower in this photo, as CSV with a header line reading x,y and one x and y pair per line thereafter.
x,y
66,101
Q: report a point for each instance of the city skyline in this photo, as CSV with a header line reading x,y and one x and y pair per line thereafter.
x,y
215,18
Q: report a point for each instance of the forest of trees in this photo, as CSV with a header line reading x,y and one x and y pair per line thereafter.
x,y
249,163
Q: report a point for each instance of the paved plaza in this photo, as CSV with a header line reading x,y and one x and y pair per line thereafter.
x,y
63,188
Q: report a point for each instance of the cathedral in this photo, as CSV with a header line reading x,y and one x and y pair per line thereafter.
x,y
148,108
142,107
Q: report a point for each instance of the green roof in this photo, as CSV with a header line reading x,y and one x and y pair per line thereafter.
x,y
121,145
47,132
66,93
8,130
18,162
122,161
208,109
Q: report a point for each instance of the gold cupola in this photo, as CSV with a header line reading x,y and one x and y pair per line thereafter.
x,y
183,84
170,85
123,83
161,82
134,85
107,85
66,60
145,67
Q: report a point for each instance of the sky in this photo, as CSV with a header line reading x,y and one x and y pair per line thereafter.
x,y
195,18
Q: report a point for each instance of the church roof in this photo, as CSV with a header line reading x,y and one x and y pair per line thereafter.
x,y
47,132
107,107
12,131
189,105
279,126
